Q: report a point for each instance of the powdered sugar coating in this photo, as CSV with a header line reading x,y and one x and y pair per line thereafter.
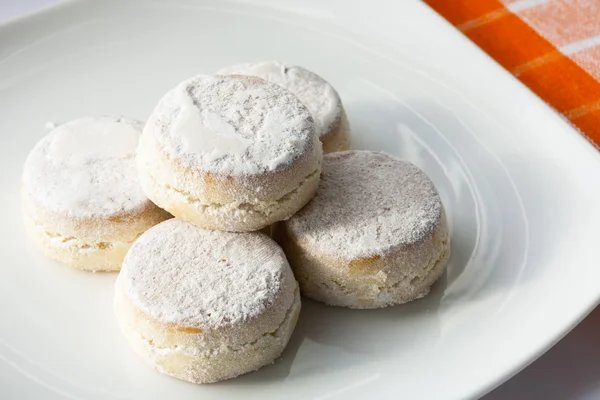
x,y
367,204
234,125
314,92
86,169
178,273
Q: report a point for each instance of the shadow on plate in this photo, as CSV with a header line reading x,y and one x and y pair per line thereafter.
x,y
352,332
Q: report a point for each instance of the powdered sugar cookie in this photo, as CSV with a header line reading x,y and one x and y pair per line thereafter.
x,y
314,92
204,306
374,235
82,202
233,153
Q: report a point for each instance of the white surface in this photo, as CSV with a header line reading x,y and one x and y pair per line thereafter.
x,y
514,177
10,9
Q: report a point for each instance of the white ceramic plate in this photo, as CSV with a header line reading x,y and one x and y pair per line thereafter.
x,y
521,189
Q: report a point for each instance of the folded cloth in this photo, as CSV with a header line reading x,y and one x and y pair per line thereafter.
x,y
552,46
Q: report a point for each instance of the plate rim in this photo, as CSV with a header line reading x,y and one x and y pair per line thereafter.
x,y
64,6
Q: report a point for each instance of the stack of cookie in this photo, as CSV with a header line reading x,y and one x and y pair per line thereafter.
x,y
234,157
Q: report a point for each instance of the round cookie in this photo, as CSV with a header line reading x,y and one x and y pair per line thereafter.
x,y
82,201
374,235
314,92
232,153
205,306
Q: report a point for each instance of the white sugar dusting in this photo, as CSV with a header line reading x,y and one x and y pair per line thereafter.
x,y
367,204
178,273
206,132
233,125
85,168
93,139
314,92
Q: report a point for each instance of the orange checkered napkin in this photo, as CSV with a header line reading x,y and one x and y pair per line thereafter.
x,y
552,46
